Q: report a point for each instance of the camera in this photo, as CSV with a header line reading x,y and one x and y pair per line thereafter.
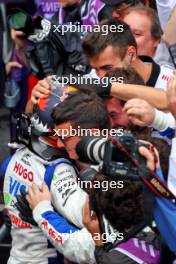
x,y
49,52
116,160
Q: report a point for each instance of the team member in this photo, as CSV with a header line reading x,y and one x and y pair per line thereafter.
x,y
29,166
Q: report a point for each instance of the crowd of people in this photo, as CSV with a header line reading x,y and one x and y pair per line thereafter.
x,y
72,70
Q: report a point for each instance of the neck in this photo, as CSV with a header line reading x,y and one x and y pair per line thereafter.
x,y
144,69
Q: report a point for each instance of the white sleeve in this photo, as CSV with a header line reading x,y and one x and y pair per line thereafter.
x,y
164,8
67,197
172,168
162,121
76,245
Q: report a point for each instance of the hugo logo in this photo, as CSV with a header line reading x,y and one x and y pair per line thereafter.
x,y
22,172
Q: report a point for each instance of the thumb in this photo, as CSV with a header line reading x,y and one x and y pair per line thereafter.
x,y
149,157
44,187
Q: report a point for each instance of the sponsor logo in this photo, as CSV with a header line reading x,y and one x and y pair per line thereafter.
x,y
23,172
51,232
18,222
15,186
165,78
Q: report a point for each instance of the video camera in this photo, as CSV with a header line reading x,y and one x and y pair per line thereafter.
x,y
49,52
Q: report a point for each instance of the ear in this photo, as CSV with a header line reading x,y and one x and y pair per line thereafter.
x,y
131,53
156,42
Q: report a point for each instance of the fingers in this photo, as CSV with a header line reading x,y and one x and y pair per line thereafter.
x,y
33,191
15,64
146,153
139,112
44,187
19,33
136,121
41,90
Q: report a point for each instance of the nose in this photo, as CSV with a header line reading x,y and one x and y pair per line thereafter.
x,y
60,144
100,73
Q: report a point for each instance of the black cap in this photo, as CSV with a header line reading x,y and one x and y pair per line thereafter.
x,y
113,2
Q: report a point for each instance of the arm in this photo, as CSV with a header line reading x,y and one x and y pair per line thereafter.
x,y
40,90
169,36
67,197
153,96
76,245
141,113
164,9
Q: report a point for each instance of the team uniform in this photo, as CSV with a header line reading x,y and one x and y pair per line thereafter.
x,y
160,75
29,245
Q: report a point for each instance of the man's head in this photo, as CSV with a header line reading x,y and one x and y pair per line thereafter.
x,y
78,111
123,208
118,118
115,49
146,29
65,3
120,6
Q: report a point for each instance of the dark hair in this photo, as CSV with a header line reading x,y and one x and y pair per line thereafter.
x,y
129,75
156,30
84,109
123,208
95,42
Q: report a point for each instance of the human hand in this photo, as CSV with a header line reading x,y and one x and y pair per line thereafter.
x,y
150,154
37,194
92,223
139,112
17,38
41,90
25,211
10,65
171,95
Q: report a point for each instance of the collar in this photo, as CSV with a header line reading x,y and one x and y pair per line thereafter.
x,y
155,70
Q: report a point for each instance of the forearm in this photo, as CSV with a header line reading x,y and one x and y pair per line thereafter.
x,y
29,107
76,245
169,36
164,9
67,196
155,97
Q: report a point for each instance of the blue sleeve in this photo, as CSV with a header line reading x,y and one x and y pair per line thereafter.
x,y
60,223
4,165
165,218
169,133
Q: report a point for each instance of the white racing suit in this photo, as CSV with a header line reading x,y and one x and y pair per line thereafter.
x,y
29,245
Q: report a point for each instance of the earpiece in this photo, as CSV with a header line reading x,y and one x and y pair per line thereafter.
x,y
131,54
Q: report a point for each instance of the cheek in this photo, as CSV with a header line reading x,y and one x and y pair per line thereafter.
x,y
140,41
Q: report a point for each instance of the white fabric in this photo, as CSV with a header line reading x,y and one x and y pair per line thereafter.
x,y
162,56
164,8
172,168
68,198
163,120
163,78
